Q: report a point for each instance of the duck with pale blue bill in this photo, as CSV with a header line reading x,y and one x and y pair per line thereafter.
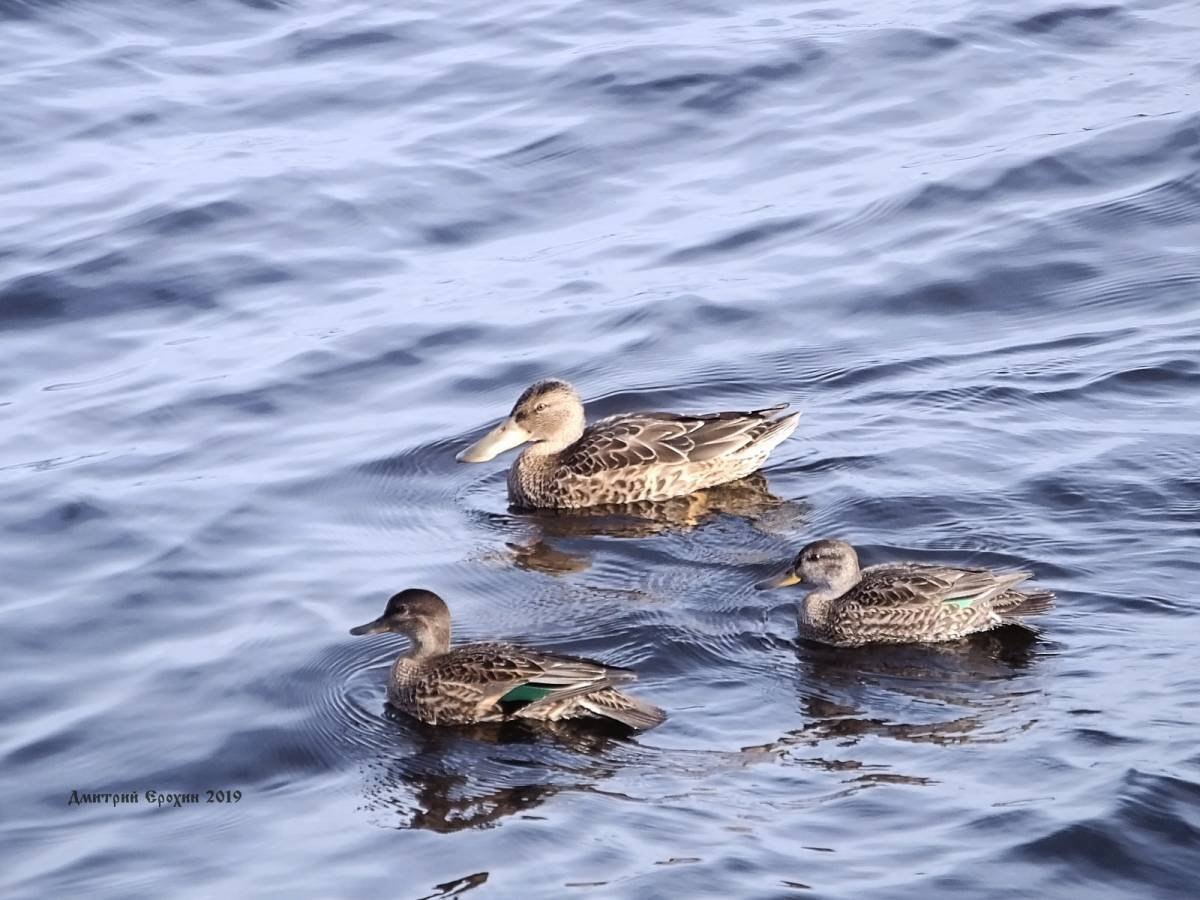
x,y
625,458
902,603
491,681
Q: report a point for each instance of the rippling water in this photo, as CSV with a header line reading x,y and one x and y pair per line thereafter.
x,y
266,265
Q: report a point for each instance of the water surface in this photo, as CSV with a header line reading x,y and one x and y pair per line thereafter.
x,y
266,266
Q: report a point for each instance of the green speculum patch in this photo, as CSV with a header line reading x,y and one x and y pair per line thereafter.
x,y
525,693
960,602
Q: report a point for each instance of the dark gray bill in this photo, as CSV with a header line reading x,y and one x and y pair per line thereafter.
x,y
370,628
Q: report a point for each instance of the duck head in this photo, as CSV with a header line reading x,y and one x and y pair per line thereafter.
x,y
821,564
549,412
419,615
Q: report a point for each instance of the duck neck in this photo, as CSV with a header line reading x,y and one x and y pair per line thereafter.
x,y
429,638
816,607
541,451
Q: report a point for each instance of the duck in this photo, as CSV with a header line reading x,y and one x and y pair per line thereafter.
x,y
466,684
626,458
902,603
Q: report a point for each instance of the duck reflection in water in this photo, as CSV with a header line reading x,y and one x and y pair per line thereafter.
x,y
473,776
973,690
748,498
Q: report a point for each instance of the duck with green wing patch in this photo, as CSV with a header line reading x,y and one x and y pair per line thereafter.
x,y
902,603
490,682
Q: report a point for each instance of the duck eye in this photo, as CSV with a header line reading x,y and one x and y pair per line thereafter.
x,y
539,407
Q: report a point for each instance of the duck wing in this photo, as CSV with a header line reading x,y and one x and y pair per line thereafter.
x,y
643,439
487,674
914,585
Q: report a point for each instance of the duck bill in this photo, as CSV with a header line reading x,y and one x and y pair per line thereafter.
x,y
786,579
375,627
505,436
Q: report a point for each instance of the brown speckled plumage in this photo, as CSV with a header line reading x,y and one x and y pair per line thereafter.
x,y
624,458
900,603
490,682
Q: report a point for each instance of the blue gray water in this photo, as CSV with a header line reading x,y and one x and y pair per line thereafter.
x,y
265,266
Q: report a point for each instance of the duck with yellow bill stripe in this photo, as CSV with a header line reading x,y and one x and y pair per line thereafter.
x,y
901,603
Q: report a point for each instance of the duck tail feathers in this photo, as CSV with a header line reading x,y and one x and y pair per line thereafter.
x,y
624,709
1033,603
776,432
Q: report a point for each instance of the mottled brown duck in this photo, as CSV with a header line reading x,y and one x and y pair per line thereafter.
x,y
490,682
901,603
625,458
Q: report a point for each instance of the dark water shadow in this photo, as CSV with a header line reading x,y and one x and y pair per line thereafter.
x,y
448,779
457,886
968,691
749,499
